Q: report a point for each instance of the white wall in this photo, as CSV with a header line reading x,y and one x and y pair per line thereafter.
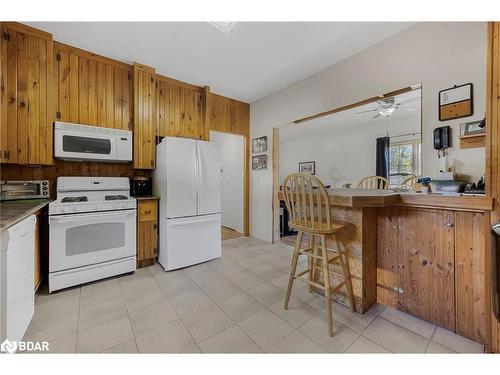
x,y
343,145
438,55
232,154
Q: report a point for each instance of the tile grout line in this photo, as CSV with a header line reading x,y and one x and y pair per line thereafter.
x,y
430,339
179,317
128,315
78,319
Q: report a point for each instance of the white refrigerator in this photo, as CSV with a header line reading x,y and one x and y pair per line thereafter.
x,y
187,179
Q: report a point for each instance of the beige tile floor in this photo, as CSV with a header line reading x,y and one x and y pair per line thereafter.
x,y
229,305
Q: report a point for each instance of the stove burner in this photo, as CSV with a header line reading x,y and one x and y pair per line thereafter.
x,y
115,197
74,199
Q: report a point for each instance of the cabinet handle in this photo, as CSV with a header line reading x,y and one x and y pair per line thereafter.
x,y
450,225
147,212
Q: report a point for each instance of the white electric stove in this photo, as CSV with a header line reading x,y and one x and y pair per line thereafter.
x,y
92,226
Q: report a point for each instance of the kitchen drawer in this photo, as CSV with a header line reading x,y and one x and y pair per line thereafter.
x,y
147,211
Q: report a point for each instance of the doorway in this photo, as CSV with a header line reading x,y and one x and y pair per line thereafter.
x,y
232,148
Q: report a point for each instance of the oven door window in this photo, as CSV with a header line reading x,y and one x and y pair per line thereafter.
x,y
71,143
94,237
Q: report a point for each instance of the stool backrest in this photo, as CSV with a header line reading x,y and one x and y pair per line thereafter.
x,y
307,201
373,182
410,181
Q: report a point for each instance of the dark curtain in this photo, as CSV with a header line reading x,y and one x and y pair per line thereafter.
x,y
383,156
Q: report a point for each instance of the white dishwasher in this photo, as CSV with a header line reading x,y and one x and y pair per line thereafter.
x,y
17,296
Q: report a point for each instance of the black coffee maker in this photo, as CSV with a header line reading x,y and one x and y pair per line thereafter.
x,y
141,186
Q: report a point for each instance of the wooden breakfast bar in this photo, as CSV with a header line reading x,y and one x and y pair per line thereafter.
x,y
415,251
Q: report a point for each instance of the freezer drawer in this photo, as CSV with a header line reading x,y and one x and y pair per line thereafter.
x,y
188,241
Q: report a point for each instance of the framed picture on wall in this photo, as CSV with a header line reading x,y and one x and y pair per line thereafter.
x,y
259,145
307,167
456,102
259,162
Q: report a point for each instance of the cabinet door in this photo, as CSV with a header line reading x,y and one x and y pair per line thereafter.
x,y
426,265
147,235
180,110
93,90
26,92
145,118
470,255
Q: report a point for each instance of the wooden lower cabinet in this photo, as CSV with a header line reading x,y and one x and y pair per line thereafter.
x,y
426,245
147,232
470,270
430,264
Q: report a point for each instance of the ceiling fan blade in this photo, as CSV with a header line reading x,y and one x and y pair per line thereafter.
x,y
371,110
377,115
408,101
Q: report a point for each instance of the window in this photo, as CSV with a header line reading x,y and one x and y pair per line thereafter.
x,y
404,160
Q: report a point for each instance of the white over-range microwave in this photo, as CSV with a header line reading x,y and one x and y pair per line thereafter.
x,y
83,142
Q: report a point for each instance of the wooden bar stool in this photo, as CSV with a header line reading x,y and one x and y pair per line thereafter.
x,y
310,213
373,182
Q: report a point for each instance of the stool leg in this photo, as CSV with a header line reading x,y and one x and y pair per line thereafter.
x,y
312,261
326,283
344,263
293,268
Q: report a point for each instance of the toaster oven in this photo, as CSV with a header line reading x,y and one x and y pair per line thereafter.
x,y
11,190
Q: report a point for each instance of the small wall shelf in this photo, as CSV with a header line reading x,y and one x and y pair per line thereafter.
x,y
472,140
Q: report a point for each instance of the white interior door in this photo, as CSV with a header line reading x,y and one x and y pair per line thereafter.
x,y
209,178
180,177
232,150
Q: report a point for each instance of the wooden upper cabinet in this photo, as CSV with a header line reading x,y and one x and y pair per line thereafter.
x,y
180,109
229,115
92,89
145,117
27,107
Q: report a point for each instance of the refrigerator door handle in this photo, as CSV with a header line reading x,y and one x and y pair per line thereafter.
x,y
197,177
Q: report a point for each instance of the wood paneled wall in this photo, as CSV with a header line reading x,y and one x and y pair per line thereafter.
x,y
93,90
68,168
493,157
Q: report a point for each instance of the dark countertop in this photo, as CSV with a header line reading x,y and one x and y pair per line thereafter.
x,y
12,212
143,198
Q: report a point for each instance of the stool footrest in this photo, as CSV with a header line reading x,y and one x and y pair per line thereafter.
x,y
310,282
329,270
317,285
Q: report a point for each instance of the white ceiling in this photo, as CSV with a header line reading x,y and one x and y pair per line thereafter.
x,y
254,60
403,121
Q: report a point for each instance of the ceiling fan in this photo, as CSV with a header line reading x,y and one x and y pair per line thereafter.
x,y
387,107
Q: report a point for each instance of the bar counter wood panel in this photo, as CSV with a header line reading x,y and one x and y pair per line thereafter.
x,y
422,254
431,263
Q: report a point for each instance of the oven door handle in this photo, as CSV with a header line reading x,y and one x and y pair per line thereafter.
x,y
67,218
